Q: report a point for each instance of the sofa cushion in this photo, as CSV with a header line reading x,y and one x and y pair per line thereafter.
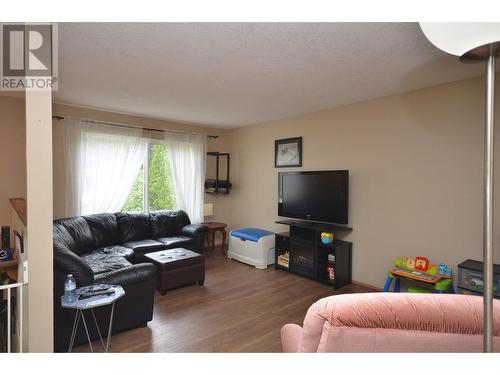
x,y
132,275
101,262
144,246
132,226
104,228
176,241
164,223
118,250
80,231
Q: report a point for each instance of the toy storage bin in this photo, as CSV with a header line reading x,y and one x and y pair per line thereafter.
x,y
470,277
252,246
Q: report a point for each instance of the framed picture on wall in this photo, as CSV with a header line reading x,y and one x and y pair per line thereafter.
x,y
288,152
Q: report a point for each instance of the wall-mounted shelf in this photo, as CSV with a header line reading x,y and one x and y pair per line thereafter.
x,y
218,185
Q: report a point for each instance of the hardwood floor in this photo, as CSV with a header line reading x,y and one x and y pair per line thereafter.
x,y
239,309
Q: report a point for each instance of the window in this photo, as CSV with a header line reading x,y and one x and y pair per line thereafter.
x,y
154,184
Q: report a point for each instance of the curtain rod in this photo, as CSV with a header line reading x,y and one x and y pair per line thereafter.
x,y
131,126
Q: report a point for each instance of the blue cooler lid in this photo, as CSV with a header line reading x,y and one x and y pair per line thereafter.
x,y
250,234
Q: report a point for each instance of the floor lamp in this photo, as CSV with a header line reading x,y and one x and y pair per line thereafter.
x,y
478,42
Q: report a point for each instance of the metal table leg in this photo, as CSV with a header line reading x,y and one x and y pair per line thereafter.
x,y
98,330
110,327
87,332
73,332
76,322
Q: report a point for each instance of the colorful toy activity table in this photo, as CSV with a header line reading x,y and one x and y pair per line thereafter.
x,y
441,283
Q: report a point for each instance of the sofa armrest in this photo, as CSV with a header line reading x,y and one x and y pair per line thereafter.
x,y
135,274
68,262
198,232
194,230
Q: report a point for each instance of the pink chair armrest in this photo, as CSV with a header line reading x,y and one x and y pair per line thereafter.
x,y
291,335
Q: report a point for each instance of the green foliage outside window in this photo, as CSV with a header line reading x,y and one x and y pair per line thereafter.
x,y
136,196
161,189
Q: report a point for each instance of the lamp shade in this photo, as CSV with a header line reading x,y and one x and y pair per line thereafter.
x,y
457,38
208,209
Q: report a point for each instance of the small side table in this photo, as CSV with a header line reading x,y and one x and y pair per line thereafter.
x,y
213,228
89,304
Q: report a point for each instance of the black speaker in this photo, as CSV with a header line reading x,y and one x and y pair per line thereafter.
x,y
5,237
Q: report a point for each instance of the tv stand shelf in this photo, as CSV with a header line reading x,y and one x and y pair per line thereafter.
x,y
315,225
309,257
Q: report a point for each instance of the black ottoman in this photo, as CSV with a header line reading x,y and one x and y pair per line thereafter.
x,y
177,267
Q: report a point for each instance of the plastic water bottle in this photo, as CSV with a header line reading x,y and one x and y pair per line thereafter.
x,y
70,289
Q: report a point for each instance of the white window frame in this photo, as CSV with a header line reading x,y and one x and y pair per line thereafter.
x,y
145,179
145,174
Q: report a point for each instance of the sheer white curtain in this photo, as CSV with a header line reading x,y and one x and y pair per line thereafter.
x,y
102,163
187,158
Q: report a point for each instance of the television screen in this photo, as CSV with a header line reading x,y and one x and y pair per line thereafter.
x,y
318,196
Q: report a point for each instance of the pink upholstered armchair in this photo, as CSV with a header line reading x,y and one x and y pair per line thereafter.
x,y
392,322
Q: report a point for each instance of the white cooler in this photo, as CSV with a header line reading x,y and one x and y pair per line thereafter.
x,y
252,246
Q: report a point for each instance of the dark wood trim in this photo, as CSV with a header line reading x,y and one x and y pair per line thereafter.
x,y
369,286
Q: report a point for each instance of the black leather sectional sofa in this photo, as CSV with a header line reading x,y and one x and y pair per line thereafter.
x,y
108,248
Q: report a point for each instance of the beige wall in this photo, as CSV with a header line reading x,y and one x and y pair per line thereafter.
x,y
221,203
415,163
13,153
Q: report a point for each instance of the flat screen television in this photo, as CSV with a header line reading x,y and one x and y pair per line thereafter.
x,y
317,196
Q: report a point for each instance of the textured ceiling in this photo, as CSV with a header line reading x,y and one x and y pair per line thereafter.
x,y
236,74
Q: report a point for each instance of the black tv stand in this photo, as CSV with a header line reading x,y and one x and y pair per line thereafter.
x,y
308,256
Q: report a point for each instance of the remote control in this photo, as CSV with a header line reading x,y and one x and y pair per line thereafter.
x,y
93,294
98,289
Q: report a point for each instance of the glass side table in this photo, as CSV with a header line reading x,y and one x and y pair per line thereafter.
x,y
80,305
